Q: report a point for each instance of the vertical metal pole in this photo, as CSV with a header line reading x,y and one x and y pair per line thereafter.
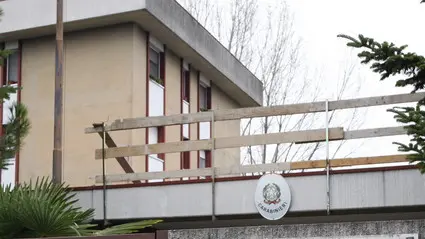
x,y
328,183
104,174
213,167
58,112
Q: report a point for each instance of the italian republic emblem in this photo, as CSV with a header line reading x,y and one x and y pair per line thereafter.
x,y
271,194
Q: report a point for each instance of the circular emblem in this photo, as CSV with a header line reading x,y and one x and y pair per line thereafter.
x,y
272,196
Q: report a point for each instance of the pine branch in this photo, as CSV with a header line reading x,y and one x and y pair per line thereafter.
x,y
390,60
13,134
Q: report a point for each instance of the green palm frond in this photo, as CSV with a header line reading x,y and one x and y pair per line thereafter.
x,y
45,209
126,228
39,209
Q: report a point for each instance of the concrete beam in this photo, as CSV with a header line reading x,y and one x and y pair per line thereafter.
x,y
396,229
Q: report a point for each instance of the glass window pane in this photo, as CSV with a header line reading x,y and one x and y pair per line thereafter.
x,y
202,97
201,162
153,56
154,71
12,68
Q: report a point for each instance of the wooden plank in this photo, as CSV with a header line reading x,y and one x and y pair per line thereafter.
x,y
349,162
121,160
306,136
251,112
139,150
228,142
241,169
375,132
250,140
153,121
315,107
202,172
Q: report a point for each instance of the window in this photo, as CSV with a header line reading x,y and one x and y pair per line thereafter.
x,y
204,97
186,85
185,157
154,64
202,159
12,62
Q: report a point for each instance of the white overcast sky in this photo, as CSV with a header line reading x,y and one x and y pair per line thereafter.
x,y
318,23
398,21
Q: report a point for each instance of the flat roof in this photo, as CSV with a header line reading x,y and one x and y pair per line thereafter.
x,y
165,19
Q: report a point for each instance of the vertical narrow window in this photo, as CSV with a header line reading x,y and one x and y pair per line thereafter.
x,y
202,159
208,158
203,97
161,139
10,76
204,127
186,85
12,67
155,66
185,158
155,100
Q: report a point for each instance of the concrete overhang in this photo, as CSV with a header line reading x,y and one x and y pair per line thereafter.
x,y
165,19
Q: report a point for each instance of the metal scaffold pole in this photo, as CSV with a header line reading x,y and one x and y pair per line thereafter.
x,y
328,183
213,167
58,110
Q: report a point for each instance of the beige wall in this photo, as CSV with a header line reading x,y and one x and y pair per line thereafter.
x,y
104,80
231,128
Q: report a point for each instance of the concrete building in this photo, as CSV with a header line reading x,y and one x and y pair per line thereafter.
x,y
123,59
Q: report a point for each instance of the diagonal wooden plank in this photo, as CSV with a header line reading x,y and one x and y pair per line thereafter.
x,y
121,160
252,112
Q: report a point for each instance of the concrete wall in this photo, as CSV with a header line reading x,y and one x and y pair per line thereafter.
x,y
104,80
348,230
356,191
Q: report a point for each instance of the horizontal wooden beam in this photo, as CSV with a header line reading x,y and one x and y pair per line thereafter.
x,y
202,172
252,112
335,163
375,132
221,143
243,169
139,150
153,121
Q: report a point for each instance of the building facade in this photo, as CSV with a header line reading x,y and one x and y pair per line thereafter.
x,y
122,59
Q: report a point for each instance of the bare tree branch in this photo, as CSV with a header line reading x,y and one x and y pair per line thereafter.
x,y
263,38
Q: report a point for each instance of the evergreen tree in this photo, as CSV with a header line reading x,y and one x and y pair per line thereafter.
x,y
18,127
389,60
